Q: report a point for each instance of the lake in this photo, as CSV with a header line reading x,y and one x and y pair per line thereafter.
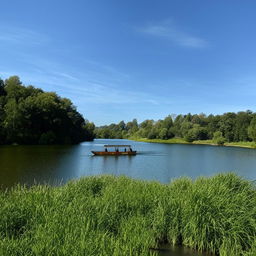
x,y
161,162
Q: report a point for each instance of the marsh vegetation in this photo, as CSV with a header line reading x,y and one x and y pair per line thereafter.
x,y
106,215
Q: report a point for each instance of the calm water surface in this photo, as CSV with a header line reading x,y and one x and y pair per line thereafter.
x,y
162,162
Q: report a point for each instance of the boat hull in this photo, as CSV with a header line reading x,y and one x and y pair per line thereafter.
x,y
104,153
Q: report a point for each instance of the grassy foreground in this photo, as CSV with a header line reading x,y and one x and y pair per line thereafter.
x,y
242,144
108,215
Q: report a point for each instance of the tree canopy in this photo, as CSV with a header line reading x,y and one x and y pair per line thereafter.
x,y
230,127
29,115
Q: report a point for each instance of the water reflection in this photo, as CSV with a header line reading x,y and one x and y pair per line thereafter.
x,y
162,162
169,250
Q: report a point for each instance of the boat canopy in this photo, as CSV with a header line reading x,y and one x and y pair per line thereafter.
x,y
117,146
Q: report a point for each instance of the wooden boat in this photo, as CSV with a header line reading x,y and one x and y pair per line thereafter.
x,y
116,151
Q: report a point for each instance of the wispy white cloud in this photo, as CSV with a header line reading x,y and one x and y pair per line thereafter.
x,y
106,68
84,90
85,87
21,36
171,32
66,76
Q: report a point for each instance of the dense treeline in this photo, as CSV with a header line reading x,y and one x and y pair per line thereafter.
x,y
29,115
229,127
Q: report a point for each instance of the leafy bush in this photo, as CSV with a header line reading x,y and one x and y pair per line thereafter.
x,y
218,138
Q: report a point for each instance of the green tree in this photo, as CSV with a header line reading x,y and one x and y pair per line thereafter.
x,y
163,134
2,90
146,127
89,127
232,127
227,125
190,136
152,134
252,129
167,122
29,115
213,124
185,127
177,125
218,138
242,123
196,133
132,127
12,120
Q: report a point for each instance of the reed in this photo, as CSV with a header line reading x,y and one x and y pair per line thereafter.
x,y
108,215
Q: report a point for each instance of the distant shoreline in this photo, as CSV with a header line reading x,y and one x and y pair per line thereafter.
x,y
242,144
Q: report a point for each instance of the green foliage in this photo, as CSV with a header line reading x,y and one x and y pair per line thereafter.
x,y
185,127
31,116
120,216
190,136
163,134
234,127
47,138
252,129
196,133
152,134
90,130
227,124
167,122
242,123
218,138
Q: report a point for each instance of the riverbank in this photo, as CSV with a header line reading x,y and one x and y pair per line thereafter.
x,y
106,215
241,144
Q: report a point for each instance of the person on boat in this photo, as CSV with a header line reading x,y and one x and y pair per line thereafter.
x,y
117,150
130,149
125,150
106,150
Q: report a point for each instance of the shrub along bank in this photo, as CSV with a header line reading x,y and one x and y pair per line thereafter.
x,y
109,215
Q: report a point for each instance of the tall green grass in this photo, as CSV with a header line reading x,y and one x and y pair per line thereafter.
x,y
120,216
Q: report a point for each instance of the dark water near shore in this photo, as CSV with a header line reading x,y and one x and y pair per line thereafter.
x,y
162,162
168,250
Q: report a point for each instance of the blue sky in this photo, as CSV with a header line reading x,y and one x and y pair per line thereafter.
x,y
119,60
